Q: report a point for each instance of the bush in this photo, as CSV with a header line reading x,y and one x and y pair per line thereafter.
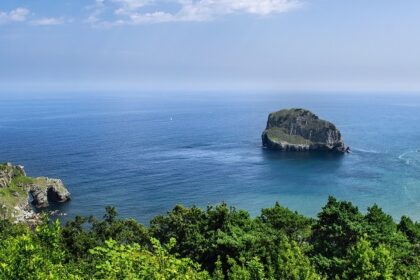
x,y
217,243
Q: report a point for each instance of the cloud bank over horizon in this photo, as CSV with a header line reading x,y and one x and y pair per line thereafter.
x,y
133,11
210,45
21,14
107,13
15,15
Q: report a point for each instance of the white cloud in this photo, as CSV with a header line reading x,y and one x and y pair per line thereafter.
x,y
154,17
127,6
207,9
16,15
48,21
96,11
23,15
120,12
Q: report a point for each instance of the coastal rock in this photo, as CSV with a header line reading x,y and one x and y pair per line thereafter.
x,y
17,189
8,172
39,197
46,190
301,130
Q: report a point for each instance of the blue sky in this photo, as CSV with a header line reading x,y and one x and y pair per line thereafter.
x,y
358,45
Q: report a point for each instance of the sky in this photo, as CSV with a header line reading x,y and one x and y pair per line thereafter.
x,y
239,45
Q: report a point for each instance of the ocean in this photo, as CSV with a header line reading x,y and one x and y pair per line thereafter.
x,y
144,153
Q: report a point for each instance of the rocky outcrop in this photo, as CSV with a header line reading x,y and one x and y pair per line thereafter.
x,y
17,191
45,191
8,172
301,130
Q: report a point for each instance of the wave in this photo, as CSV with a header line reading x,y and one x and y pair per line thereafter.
x,y
223,156
364,150
411,158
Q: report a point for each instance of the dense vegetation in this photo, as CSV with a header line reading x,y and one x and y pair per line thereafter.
x,y
217,243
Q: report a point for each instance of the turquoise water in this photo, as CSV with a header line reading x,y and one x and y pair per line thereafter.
x,y
146,153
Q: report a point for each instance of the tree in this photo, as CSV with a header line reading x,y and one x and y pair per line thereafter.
x,y
113,261
246,270
294,225
220,241
218,273
366,263
292,264
32,255
410,229
82,234
380,227
339,226
205,235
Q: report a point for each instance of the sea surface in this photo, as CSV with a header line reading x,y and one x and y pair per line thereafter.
x,y
146,152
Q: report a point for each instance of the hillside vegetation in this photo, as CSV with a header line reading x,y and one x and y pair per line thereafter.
x,y
219,242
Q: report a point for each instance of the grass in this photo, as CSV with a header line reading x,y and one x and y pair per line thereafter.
x,y
14,194
21,181
280,136
9,201
287,116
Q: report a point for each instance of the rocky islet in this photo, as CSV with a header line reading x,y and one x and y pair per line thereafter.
x,y
301,130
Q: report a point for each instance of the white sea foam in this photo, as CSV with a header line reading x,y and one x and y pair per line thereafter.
x,y
365,151
411,158
227,157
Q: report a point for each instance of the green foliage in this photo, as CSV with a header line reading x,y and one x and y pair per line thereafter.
x,y
218,271
281,135
294,225
7,229
292,264
115,261
33,255
248,270
14,194
381,229
410,229
339,227
204,235
21,180
364,262
82,234
216,243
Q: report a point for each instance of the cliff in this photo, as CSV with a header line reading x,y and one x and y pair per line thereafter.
x,y
301,130
18,192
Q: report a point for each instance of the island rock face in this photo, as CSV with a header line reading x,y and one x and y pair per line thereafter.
x,y
301,130
17,191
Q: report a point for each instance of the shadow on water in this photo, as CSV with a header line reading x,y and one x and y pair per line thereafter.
x,y
302,173
304,164
54,209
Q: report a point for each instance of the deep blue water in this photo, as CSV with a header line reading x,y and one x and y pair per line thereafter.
x,y
144,153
